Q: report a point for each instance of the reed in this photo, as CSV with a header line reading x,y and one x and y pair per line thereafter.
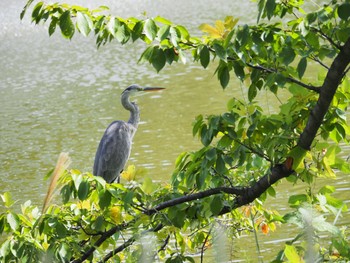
x,y
62,164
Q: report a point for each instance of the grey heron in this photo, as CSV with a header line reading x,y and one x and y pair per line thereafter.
x,y
115,146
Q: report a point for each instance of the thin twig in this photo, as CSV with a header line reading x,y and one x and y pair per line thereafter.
x,y
290,79
204,243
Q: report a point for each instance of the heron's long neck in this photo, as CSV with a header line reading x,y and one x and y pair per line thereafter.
x,y
133,108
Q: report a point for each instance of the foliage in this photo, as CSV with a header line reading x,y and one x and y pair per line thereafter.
x,y
246,150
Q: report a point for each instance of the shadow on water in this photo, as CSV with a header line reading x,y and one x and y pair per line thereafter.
x,y
59,95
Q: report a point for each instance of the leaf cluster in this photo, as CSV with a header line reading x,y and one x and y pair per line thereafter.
x,y
245,150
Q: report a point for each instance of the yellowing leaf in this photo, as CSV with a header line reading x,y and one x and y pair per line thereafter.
x,y
230,22
148,186
129,173
116,214
220,26
292,255
298,154
84,204
212,31
327,168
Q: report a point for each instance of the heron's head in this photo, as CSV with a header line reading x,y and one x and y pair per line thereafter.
x,y
135,88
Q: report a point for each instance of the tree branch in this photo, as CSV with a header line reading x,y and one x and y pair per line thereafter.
x,y
244,196
329,39
290,79
327,91
195,196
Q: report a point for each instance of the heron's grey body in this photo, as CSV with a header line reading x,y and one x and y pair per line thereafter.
x,y
115,146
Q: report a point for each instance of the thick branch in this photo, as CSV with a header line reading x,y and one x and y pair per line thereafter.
x,y
327,91
195,196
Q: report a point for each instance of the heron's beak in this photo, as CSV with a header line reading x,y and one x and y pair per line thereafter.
x,y
152,88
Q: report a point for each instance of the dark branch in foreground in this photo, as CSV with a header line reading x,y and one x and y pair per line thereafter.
x,y
244,196
327,91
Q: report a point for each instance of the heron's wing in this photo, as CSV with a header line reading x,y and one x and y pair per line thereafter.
x,y
113,151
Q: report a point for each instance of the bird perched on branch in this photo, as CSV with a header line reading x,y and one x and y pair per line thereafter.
x,y
115,146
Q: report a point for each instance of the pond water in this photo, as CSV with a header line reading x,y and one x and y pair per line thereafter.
x,y
59,96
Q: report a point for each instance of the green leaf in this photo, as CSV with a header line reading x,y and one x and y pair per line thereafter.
x,y
211,154
301,67
204,56
163,32
327,189
287,55
224,142
13,221
53,24
66,25
163,20
147,54
298,154
122,34
271,191
36,12
220,164
83,190
239,70
158,58
137,30
29,2
173,36
66,193
220,51
224,75
104,199
216,205
113,25
150,29
270,8
98,224
228,39
296,200
252,92
183,33
344,11
7,199
170,55
84,23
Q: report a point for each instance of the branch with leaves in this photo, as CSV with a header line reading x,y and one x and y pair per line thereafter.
x,y
245,151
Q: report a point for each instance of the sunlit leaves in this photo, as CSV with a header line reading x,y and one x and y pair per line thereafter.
x,y
13,221
292,254
240,146
221,28
150,29
7,199
84,23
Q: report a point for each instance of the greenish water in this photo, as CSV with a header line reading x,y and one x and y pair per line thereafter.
x,y
59,96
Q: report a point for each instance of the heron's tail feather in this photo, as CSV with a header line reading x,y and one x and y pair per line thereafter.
x,y
62,164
